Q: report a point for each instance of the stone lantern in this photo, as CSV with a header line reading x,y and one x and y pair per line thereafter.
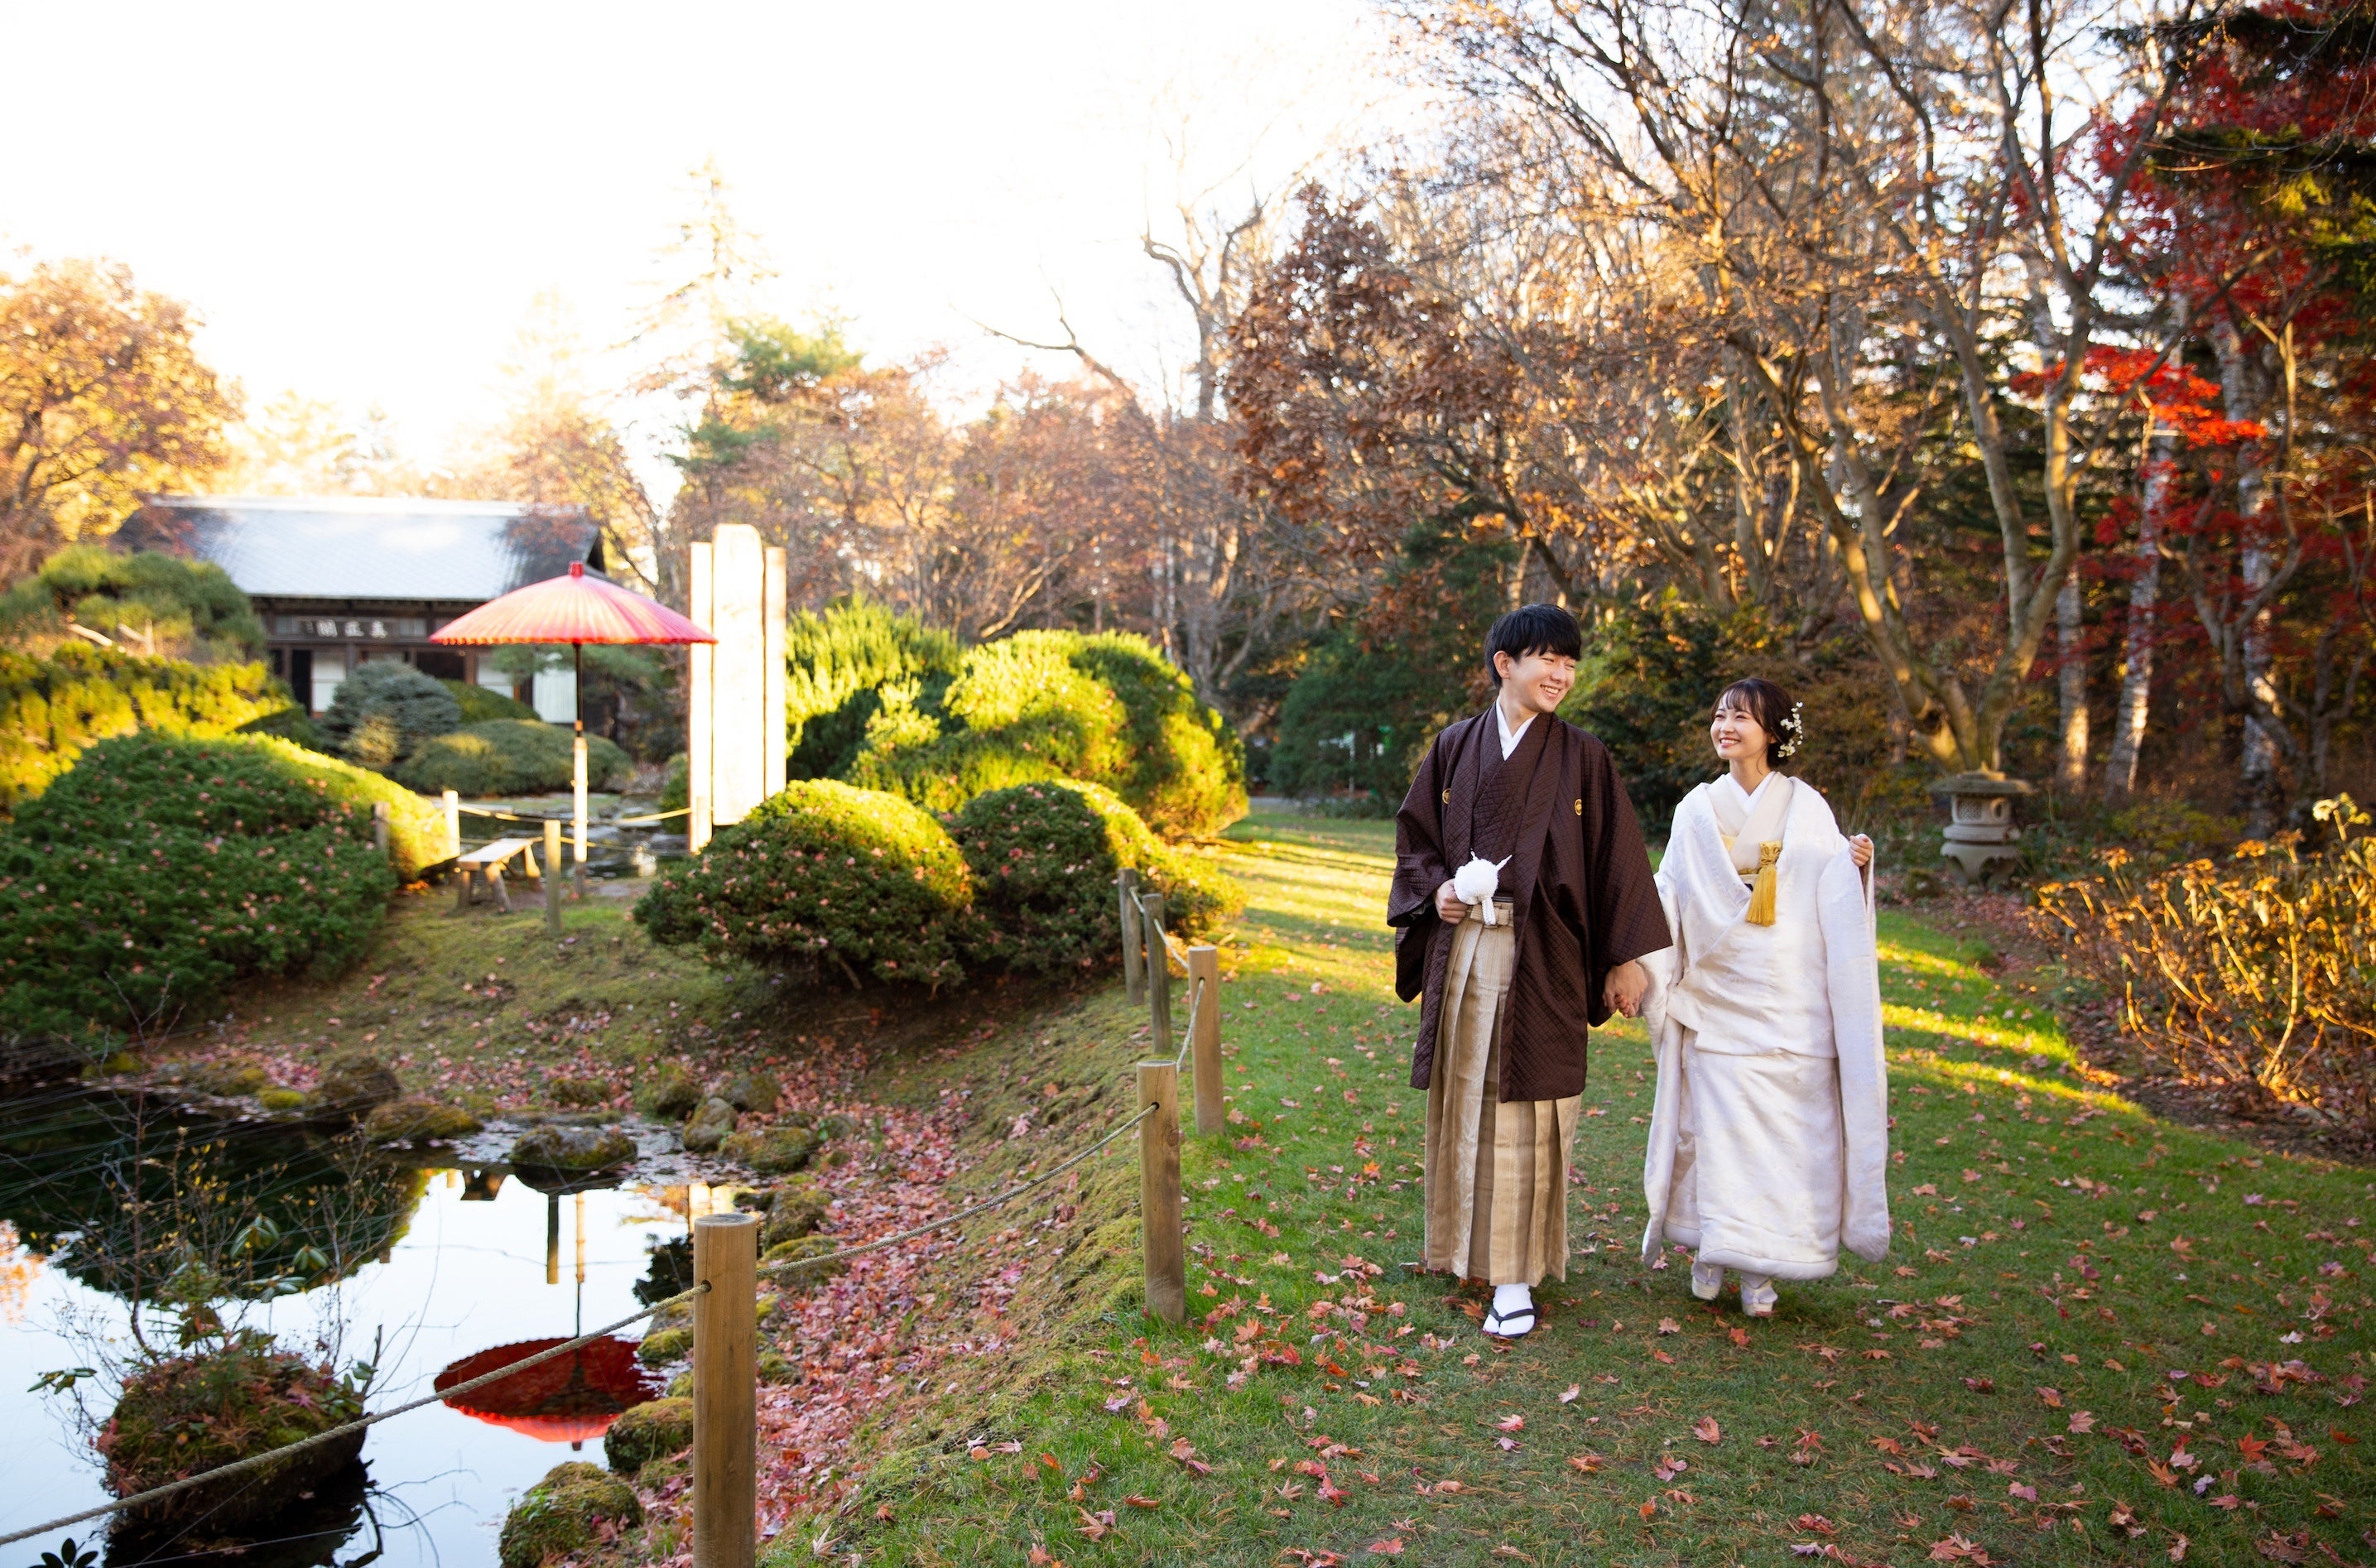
x,y
1981,840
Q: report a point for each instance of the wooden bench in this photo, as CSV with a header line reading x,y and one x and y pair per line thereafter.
x,y
487,862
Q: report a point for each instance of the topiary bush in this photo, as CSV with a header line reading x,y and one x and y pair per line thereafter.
x,y
386,709
823,880
1044,858
479,703
1107,708
51,708
162,871
510,757
189,608
836,662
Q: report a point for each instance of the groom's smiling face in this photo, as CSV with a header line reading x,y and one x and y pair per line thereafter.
x,y
1536,683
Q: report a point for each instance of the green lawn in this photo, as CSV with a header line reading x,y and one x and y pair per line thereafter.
x,y
2067,1357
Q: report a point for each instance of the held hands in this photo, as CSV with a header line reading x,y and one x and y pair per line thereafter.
x,y
1860,850
1627,984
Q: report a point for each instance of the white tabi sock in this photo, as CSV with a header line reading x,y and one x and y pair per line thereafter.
x,y
1510,1298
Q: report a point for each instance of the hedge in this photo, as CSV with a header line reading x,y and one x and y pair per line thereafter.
x,y
51,708
162,871
1106,708
510,757
827,881
836,663
479,703
386,710
1044,858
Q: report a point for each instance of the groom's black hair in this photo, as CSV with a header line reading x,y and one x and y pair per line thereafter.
x,y
1537,628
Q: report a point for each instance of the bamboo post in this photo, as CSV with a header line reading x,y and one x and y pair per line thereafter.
x,y
552,876
726,1391
379,826
1205,1033
1160,1239
454,822
1134,967
1159,968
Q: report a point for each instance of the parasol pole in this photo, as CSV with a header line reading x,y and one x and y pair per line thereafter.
x,y
578,753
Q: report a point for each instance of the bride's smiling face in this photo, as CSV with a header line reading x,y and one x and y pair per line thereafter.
x,y
1738,736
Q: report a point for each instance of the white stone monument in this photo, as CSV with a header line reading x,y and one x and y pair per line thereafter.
x,y
734,703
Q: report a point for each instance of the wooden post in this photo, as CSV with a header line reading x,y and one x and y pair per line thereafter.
x,y
726,1391
1160,1239
379,826
496,881
1205,1033
461,889
552,876
1134,964
1159,970
454,822
699,682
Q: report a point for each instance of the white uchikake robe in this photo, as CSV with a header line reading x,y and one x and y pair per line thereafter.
x,y
1769,1138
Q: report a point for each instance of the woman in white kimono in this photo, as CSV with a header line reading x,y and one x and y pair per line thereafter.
x,y
1769,1138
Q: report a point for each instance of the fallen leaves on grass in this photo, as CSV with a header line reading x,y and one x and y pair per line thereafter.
x,y
1669,1467
1706,1430
1573,1392
1097,1526
1587,1464
1390,1547
1956,1548
1511,1423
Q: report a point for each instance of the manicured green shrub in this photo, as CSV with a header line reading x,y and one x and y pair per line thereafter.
x,y
825,881
292,724
1108,710
162,871
510,757
51,708
386,709
1044,858
479,703
837,661
190,608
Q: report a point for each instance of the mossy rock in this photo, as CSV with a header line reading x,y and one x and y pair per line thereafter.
x,y
670,1094
776,1368
709,1126
562,1513
680,1386
572,1148
354,1082
752,1091
280,1099
772,1151
765,1307
663,1345
227,1080
183,1414
420,1119
653,1430
805,1247
582,1093
798,1209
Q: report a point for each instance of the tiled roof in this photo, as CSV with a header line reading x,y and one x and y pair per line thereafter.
x,y
369,547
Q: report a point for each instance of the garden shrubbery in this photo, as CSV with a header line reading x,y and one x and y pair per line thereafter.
x,y
51,708
2257,974
1106,708
1044,858
510,757
838,663
187,608
386,711
838,881
162,871
479,703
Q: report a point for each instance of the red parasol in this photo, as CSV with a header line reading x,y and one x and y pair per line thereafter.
x,y
576,610
571,1398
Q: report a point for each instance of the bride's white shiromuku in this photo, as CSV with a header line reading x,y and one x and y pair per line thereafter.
x,y
1769,1138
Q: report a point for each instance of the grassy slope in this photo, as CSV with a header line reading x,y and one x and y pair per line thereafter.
x,y
2077,1244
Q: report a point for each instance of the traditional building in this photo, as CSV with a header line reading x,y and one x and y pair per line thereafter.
x,y
341,579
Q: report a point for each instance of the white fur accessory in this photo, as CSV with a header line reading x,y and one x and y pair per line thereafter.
x,y
1476,881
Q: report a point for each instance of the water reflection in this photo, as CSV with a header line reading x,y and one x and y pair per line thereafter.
x,y
570,1400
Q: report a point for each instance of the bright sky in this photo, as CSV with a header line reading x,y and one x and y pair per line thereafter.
x,y
362,199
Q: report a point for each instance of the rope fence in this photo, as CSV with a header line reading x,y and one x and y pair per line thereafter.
x,y
727,1269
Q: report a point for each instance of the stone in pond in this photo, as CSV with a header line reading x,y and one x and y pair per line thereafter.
x,y
572,1148
669,1093
772,1151
419,1118
650,1431
753,1091
708,1126
564,1513
354,1082
180,1415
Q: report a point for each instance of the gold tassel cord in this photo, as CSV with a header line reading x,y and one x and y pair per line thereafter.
x,y
1760,892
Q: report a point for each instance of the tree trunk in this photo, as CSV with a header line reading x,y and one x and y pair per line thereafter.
x,y
2071,637
2145,588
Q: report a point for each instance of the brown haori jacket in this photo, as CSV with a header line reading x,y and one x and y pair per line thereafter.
x,y
1579,879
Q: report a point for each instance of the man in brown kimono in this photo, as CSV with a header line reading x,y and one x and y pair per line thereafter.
x,y
1521,898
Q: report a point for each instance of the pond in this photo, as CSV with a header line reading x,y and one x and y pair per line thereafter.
x,y
434,1263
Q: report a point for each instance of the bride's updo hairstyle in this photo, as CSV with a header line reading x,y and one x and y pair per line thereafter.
x,y
1774,712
